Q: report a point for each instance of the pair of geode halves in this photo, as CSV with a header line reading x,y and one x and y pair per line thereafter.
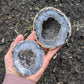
x,y
28,66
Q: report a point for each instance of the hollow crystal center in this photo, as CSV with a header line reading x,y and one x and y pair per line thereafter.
x,y
27,57
50,29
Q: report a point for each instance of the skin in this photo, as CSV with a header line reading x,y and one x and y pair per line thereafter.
x,y
47,57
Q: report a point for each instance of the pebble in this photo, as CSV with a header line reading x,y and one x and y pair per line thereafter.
x,y
82,46
37,8
56,0
6,21
30,8
9,17
60,83
32,18
3,40
22,7
70,57
55,56
11,27
60,5
54,69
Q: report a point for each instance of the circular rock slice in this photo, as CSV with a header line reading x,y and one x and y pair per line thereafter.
x,y
27,57
52,28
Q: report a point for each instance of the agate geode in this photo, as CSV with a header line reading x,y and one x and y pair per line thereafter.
x,y
52,28
27,57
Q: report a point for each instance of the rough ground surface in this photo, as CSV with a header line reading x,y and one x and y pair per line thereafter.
x,y
16,16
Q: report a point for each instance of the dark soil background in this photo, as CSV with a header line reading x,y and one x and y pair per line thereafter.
x,y
16,16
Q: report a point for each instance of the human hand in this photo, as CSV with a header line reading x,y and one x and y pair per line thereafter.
x,y
47,57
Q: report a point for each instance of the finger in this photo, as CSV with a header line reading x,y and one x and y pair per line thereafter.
x,y
50,53
17,40
31,36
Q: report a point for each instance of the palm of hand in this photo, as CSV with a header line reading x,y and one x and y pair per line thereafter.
x,y
47,57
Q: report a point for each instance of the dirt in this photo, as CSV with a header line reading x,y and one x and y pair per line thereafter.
x,y
50,29
16,17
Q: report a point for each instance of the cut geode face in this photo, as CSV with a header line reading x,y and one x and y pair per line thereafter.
x,y
27,57
52,28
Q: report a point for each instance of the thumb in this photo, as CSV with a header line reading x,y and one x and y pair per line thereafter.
x,y
51,53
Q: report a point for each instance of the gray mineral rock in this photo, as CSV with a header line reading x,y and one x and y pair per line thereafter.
x,y
52,28
27,57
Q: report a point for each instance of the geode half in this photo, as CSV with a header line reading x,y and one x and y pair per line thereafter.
x,y
52,28
27,57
